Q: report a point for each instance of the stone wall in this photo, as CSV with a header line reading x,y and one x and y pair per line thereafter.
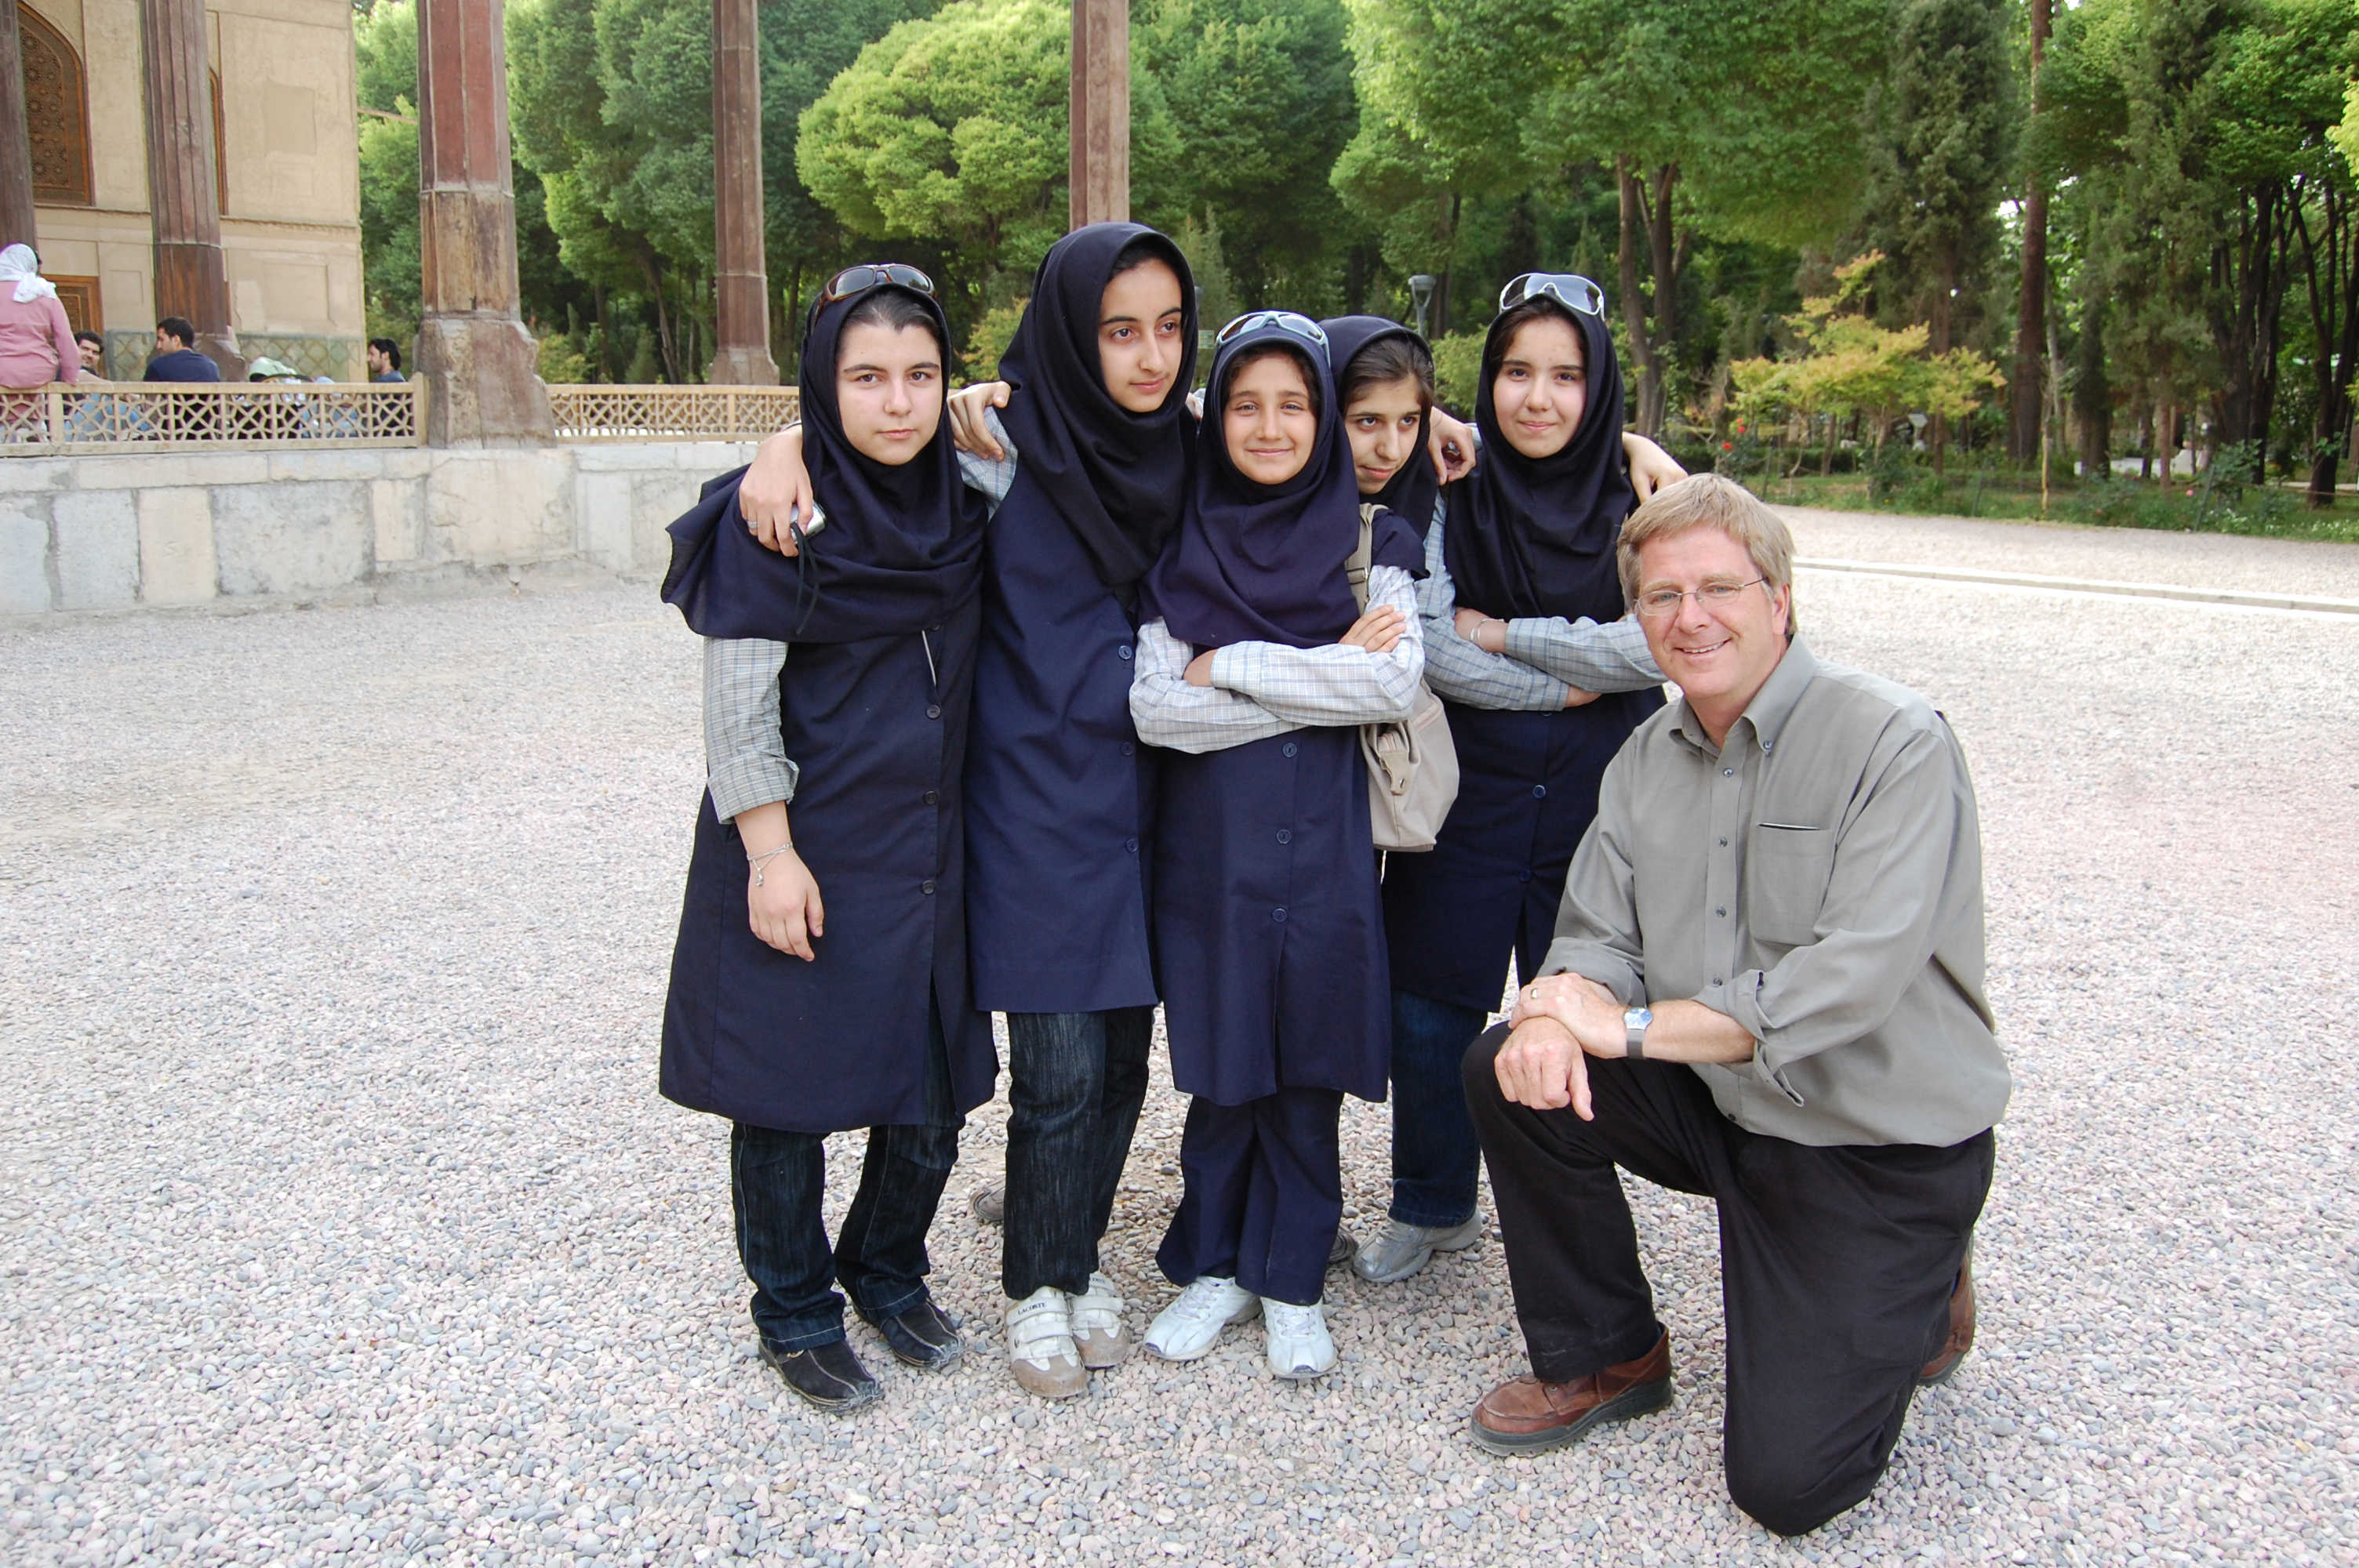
x,y
108,533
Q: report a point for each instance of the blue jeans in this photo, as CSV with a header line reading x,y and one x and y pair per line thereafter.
x,y
777,1180
1436,1158
1075,1081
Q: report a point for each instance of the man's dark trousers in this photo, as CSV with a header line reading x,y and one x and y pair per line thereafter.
x,y
1836,1266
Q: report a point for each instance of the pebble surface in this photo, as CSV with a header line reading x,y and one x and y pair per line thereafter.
x,y
340,1222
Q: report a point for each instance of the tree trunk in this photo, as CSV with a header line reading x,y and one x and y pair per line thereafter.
x,y
2331,268
1651,211
2092,401
2249,272
1634,307
2031,314
1945,290
1667,255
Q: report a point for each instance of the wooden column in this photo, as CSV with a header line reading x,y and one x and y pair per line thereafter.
x,y
1100,183
741,285
471,346
184,197
16,140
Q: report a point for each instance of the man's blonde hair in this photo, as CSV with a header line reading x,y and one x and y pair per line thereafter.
x,y
1709,500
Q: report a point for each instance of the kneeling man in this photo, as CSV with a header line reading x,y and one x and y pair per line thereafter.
x,y
1767,987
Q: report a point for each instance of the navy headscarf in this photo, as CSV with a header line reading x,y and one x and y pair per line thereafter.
x,y
1260,563
1118,478
1535,537
1410,493
903,545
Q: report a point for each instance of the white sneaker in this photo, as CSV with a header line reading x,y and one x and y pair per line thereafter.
x,y
1189,1328
1300,1346
1040,1349
1099,1329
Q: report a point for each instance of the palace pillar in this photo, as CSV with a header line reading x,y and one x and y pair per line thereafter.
x,y
1100,180
184,197
473,349
741,286
16,139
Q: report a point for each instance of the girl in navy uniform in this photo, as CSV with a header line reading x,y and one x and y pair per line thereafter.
x,y
1525,625
1087,472
1255,669
819,982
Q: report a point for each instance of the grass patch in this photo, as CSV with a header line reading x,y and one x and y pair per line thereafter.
x,y
2260,511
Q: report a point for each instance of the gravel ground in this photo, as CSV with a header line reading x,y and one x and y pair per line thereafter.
x,y
340,1220
2312,569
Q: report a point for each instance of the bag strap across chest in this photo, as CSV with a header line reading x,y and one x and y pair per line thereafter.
x,y
1355,568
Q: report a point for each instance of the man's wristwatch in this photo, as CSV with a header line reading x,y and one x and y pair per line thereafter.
x,y
1634,1030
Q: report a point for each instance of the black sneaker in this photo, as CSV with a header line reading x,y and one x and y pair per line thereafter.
x,y
924,1336
830,1376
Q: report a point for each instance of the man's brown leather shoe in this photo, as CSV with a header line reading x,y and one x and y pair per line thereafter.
x,y
1941,1368
1526,1415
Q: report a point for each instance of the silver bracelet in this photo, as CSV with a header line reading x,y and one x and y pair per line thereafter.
x,y
761,862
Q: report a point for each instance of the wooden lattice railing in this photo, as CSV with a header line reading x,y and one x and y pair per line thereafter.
x,y
595,413
162,416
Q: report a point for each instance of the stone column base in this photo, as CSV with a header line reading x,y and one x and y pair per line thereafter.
x,y
743,367
484,382
222,350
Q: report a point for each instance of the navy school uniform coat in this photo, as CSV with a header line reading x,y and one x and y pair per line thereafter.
x,y
1526,537
842,1042
1060,793
1268,928
878,727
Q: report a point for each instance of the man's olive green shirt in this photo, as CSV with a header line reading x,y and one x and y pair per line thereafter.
x,y
1819,879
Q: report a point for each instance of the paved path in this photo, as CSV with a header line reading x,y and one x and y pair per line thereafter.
x,y
340,1221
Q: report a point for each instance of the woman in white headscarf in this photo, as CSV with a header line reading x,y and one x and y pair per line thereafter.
x,y
36,341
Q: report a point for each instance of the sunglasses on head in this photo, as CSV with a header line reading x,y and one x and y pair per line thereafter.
x,y
1301,326
859,279
1568,289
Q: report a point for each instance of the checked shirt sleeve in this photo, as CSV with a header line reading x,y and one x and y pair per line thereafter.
x,y
745,760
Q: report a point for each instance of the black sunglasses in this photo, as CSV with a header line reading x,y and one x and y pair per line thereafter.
x,y
859,279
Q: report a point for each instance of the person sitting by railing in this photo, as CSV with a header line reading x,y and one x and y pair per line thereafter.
x,y
36,344
91,351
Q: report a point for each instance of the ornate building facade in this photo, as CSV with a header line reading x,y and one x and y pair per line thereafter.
x,y
285,167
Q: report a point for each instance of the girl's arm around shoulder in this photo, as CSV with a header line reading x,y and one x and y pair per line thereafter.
x,y
1342,683
1168,712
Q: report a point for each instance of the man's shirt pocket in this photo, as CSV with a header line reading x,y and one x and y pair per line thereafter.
x,y
1786,877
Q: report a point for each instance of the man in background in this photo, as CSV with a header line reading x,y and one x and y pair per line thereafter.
x,y
176,358
384,360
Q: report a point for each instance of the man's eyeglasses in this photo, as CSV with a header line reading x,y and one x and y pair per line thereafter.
x,y
1658,602
859,279
1301,326
1568,289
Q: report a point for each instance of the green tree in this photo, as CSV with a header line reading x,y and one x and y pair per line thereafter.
x,y
1259,98
951,131
1942,148
611,105
385,50
2203,130
1724,118
805,44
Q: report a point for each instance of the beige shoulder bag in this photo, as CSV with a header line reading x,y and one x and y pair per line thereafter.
x,y
1412,763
